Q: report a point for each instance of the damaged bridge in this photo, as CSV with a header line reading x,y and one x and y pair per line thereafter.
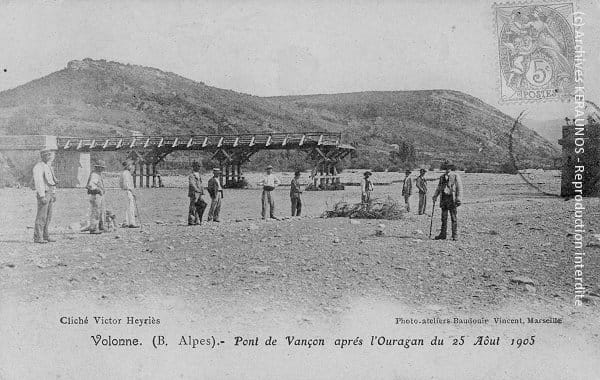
x,y
325,150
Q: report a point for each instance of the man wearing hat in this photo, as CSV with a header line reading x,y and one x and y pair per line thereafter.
x,y
268,182
407,189
195,192
126,182
45,189
450,189
366,188
216,194
421,185
295,194
95,188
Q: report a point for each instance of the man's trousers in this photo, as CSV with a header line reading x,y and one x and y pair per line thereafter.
x,y
196,210
422,203
296,205
97,212
268,202
43,217
130,213
215,209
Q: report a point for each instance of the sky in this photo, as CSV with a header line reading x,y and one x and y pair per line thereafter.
x,y
281,47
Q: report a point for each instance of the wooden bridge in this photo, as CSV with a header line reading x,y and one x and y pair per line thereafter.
x,y
231,151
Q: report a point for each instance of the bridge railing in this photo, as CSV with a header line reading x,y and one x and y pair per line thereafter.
x,y
198,142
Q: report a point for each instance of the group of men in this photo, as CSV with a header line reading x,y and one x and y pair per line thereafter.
x,y
449,188
268,182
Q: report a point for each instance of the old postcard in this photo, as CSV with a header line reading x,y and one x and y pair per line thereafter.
x,y
263,189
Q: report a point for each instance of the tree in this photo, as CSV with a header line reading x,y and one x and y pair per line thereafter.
x,y
404,155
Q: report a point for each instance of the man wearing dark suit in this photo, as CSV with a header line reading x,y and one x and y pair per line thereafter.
x,y
216,194
195,191
295,194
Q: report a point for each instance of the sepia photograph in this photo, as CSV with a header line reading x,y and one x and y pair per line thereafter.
x,y
263,189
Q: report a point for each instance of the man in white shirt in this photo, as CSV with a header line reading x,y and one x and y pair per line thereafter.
x,y
269,182
127,185
95,188
45,189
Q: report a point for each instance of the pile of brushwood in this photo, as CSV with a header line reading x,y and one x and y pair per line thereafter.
x,y
387,208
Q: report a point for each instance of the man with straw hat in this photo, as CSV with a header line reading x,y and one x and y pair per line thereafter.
x,y
95,188
216,194
45,188
126,182
421,185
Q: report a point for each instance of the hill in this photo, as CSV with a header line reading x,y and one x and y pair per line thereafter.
x,y
440,124
96,97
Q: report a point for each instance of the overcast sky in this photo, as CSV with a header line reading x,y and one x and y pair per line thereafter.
x,y
278,47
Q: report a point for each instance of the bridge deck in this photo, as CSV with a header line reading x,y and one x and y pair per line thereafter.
x,y
250,141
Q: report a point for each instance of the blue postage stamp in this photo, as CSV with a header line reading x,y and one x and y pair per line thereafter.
x,y
536,49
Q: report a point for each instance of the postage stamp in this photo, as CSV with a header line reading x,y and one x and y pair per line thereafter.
x,y
535,50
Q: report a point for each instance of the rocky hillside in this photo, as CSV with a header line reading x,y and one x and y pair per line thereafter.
x,y
96,97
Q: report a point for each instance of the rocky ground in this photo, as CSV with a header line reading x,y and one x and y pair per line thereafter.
x,y
513,258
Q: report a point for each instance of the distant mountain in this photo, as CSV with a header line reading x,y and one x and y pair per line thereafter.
x,y
96,97
551,130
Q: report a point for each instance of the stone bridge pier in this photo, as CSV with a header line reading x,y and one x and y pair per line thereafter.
x,y
72,168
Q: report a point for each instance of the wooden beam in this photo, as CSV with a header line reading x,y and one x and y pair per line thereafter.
x,y
302,140
161,142
268,141
80,144
237,140
67,144
132,143
220,142
105,143
119,144
205,142
93,144
147,142
284,140
175,142
252,141
320,142
189,144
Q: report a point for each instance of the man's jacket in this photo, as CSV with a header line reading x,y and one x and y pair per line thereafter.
x,y
213,187
452,185
195,188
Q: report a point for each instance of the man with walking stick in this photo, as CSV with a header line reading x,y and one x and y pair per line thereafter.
x,y
450,189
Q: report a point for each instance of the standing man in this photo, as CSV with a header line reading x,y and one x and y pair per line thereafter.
x,y
195,191
366,188
450,188
95,188
126,183
407,189
295,193
216,194
269,182
421,184
45,189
